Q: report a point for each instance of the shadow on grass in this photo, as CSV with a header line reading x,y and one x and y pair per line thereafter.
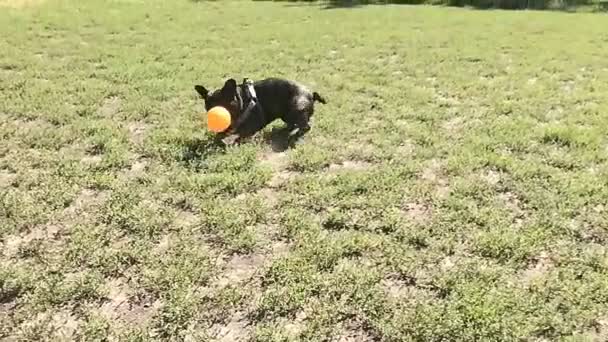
x,y
196,150
280,139
551,5
343,4
321,4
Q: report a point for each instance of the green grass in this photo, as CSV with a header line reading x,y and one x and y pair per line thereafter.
x,y
454,188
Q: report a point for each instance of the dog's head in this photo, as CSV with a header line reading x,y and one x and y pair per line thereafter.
x,y
226,97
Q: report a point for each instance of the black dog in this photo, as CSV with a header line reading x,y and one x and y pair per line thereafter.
x,y
253,105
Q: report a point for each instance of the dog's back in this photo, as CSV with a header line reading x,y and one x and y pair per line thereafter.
x,y
282,98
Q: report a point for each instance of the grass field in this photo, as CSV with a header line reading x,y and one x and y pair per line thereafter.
x,y
453,188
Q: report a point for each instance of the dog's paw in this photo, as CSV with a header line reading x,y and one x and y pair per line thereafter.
x,y
231,139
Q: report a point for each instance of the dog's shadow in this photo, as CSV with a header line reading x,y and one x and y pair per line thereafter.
x,y
280,139
196,151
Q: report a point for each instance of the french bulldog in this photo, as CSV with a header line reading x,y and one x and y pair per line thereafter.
x,y
254,105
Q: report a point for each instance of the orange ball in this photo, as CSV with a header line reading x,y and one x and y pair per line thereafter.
x,y
218,119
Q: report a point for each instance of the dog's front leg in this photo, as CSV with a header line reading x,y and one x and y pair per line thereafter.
x,y
300,127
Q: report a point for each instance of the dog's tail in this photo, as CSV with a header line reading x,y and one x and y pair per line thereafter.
x,y
318,98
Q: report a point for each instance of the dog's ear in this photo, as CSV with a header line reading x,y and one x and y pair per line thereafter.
x,y
203,92
229,87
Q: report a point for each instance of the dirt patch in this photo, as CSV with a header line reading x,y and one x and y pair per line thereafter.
x,y
417,212
537,269
277,162
396,288
7,178
447,263
7,307
281,178
445,100
120,243
555,113
235,330
274,160
373,123
269,233
351,165
355,150
280,248
32,127
453,125
442,190
52,230
492,177
65,324
512,202
240,268
293,327
406,148
140,312
163,244
185,218
270,196
117,299
87,199
121,306
600,331
110,106
91,160
139,166
568,86
57,326
137,169
510,199
353,332
399,289
136,131
433,173
12,243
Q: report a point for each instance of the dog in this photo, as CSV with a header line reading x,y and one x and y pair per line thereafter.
x,y
254,105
